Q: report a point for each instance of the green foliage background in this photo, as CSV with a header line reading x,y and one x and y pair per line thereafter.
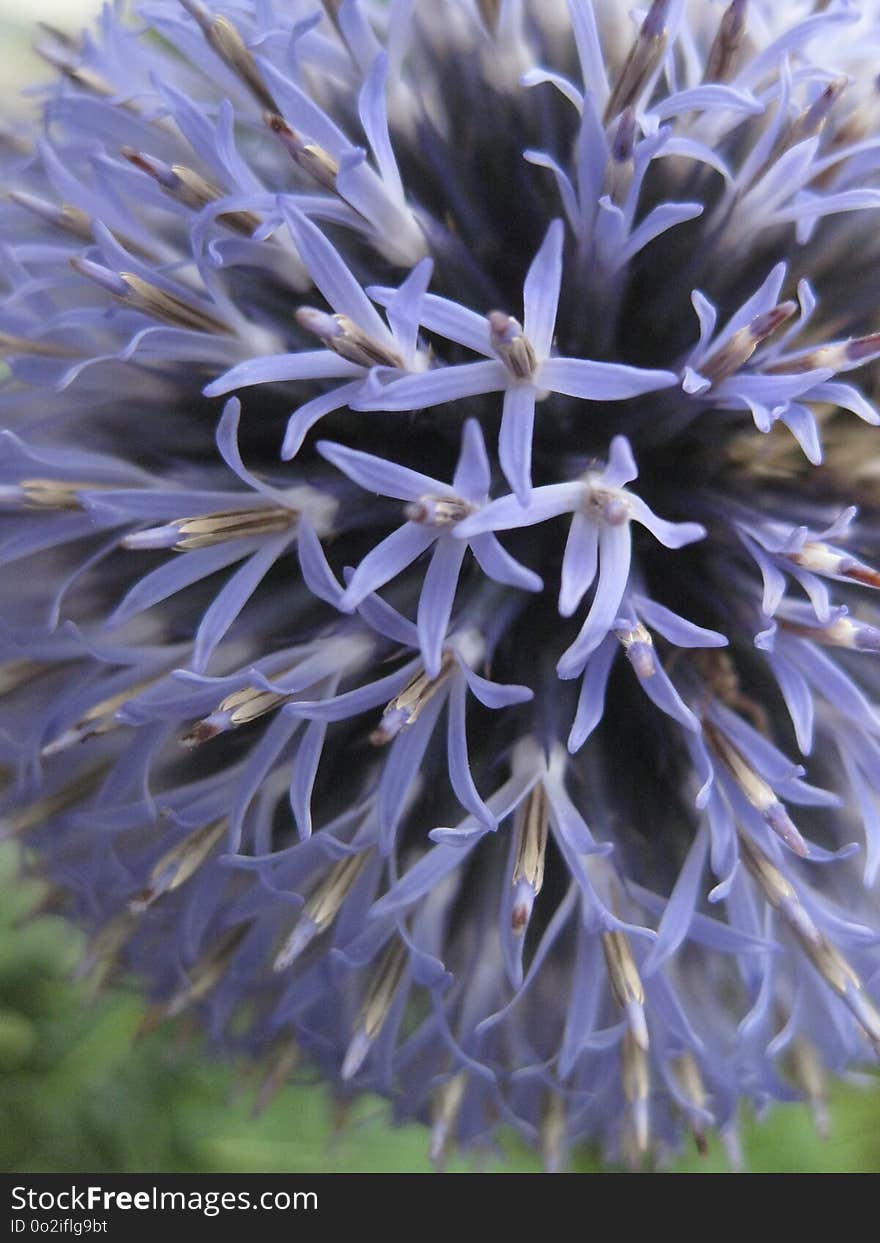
x,y
79,1094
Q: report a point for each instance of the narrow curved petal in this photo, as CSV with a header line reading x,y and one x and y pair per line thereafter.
x,y
594,381
497,562
457,756
515,440
473,474
507,513
443,384
331,275
591,701
231,599
670,534
304,419
376,474
405,307
615,545
579,563
541,290
278,368
436,600
386,561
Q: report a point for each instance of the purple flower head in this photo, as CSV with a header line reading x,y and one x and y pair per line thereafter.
x,y
508,744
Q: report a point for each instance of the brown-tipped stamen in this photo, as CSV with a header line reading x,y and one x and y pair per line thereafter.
x,y
307,155
805,1066
18,821
206,530
843,355
644,57
99,719
407,706
687,1074
321,910
281,1068
189,188
722,61
227,42
53,494
761,795
179,863
376,1007
626,983
343,336
203,977
532,825
636,1077
832,966
445,1108
736,352
512,345
144,296
554,1133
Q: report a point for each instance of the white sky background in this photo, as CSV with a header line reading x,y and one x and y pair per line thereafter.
x,y
18,65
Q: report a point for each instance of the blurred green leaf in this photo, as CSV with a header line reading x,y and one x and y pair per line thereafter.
x,y
78,1093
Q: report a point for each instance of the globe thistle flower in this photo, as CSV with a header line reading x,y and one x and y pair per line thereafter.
x,y
440,537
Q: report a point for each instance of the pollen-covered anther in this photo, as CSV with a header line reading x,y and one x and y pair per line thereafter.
x,y
626,983
439,511
490,12
445,1107
104,950
149,299
345,338
837,973
723,59
639,648
16,673
178,864
11,345
687,1074
17,821
554,1133
761,796
844,632
607,505
284,1062
742,345
512,345
619,169
205,530
820,558
63,55
814,117
99,719
376,1007
408,705
805,1066
309,156
71,219
239,708
203,977
227,42
189,188
636,1077
531,847
644,57
321,909
55,494
841,355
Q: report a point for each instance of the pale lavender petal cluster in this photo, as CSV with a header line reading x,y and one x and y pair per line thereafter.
x,y
479,705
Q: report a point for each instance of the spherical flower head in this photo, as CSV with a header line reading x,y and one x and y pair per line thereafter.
x,y
440,544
